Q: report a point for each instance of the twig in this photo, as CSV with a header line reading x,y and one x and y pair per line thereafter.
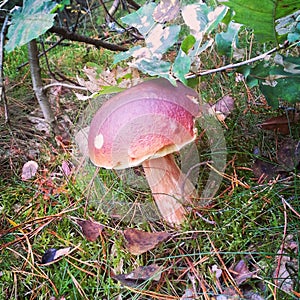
x,y
112,19
281,246
290,206
59,42
69,86
80,38
2,86
233,66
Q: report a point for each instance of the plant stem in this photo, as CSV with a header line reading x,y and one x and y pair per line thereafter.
x,y
35,71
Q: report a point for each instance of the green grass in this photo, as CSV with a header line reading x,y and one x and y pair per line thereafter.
x,y
250,220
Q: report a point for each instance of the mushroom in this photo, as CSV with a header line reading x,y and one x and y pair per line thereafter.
x,y
144,125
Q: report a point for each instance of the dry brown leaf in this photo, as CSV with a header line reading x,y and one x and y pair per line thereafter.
x,y
138,241
140,274
265,170
166,10
90,229
188,295
242,273
118,77
280,124
29,169
286,274
288,154
223,107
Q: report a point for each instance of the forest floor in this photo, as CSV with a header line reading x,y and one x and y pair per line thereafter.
x,y
67,232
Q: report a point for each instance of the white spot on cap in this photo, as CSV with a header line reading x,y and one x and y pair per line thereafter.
x,y
98,142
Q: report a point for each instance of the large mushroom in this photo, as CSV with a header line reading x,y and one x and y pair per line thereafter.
x,y
145,125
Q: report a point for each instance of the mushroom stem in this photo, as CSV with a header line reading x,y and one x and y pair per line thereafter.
x,y
170,187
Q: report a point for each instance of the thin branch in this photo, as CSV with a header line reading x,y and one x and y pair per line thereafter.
x,y
133,4
2,85
112,10
69,86
112,19
281,251
59,42
80,38
233,66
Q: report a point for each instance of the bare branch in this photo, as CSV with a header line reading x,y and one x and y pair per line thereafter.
x,y
233,66
72,36
2,86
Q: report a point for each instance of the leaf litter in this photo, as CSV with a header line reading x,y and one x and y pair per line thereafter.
x,y
287,159
139,241
140,274
53,254
29,170
281,124
90,229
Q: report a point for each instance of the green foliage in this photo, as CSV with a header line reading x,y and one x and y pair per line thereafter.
x,y
159,38
272,21
28,23
227,41
278,82
261,15
294,34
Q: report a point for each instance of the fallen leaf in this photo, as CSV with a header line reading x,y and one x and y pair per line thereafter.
x,y
40,124
152,271
280,124
217,271
139,275
67,168
139,241
265,170
118,78
166,10
286,274
90,229
242,273
53,254
288,154
188,295
223,107
29,169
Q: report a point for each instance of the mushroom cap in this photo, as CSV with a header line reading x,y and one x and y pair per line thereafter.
x,y
149,120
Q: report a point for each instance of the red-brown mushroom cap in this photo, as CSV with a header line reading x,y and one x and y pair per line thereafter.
x,y
149,120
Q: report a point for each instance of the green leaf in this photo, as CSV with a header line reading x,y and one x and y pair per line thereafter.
x,y
199,49
261,15
155,68
32,21
294,34
61,5
166,10
125,55
227,41
105,90
286,89
141,19
215,17
202,19
181,66
280,82
188,43
161,38
196,18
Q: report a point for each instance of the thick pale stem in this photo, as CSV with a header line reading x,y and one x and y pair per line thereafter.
x,y
170,188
